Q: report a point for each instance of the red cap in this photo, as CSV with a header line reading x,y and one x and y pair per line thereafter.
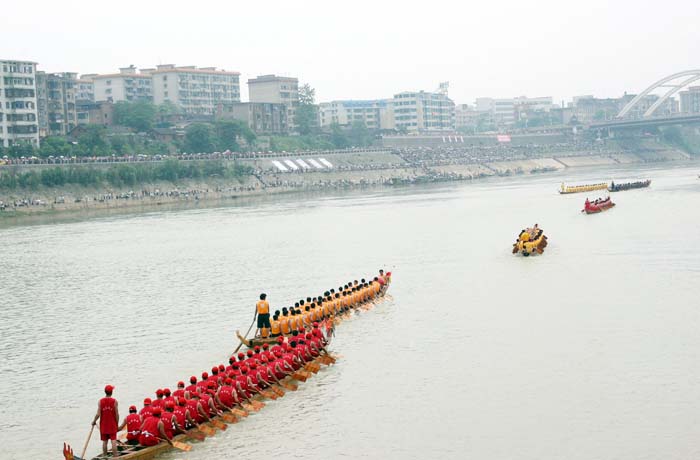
x,y
222,367
156,411
211,385
249,353
132,408
388,273
315,324
280,339
193,379
166,392
109,388
159,392
308,336
169,405
214,370
228,381
241,355
205,376
147,402
253,365
180,384
181,401
265,346
256,348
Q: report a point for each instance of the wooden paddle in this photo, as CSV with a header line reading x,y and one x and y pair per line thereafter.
x,y
247,332
207,430
268,394
278,390
82,455
198,435
299,376
229,418
239,412
289,385
219,424
179,445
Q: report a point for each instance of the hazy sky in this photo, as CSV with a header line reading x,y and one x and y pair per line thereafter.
x,y
372,49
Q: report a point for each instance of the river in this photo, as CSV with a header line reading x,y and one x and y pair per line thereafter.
x,y
589,351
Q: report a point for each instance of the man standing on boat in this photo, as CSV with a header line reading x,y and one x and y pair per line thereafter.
x,y
108,413
263,311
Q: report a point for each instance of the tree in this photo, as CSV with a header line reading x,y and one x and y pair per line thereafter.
x,y
338,137
306,113
55,146
199,138
229,131
166,111
360,136
94,140
138,115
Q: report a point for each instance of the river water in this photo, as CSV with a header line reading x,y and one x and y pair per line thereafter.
x,y
589,351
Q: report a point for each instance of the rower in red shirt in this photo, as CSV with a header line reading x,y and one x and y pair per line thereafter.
x,y
132,422
153,430
182,414
170,424
158,402
180,392
147,409
196,410
167,396
192,386
108,413
226,395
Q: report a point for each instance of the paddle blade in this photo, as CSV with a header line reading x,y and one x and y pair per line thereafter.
x,y
198,435
299,376
290,386
229,418
207,430
182,446
278,390
67,452
219,424
239,413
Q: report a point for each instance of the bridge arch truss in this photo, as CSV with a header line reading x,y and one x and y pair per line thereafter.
x,y
674,83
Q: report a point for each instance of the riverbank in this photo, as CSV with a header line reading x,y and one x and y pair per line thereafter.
x,y
347,171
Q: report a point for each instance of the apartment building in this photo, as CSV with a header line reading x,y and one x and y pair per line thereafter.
x,y
276,90
423,112
56,105
261,117
18,105
198,91
690,100
372,113
127,85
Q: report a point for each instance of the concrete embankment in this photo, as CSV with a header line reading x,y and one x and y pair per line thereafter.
x,y
347,170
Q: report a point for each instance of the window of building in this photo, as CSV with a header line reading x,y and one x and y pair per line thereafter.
x,y
108,82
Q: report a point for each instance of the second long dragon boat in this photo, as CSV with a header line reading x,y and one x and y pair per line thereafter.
x,y
566,189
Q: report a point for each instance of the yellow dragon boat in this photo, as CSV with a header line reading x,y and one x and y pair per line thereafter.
x,y
530,241
582,188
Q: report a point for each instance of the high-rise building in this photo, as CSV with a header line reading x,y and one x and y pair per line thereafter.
x,y
423,112
85,98
276,90
18,111
690,100
197,91
56,107
372,113
127,85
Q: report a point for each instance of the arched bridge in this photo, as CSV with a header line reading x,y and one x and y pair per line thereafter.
x,y
674,83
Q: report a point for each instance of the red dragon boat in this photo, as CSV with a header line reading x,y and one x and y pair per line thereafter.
x,y
599,205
